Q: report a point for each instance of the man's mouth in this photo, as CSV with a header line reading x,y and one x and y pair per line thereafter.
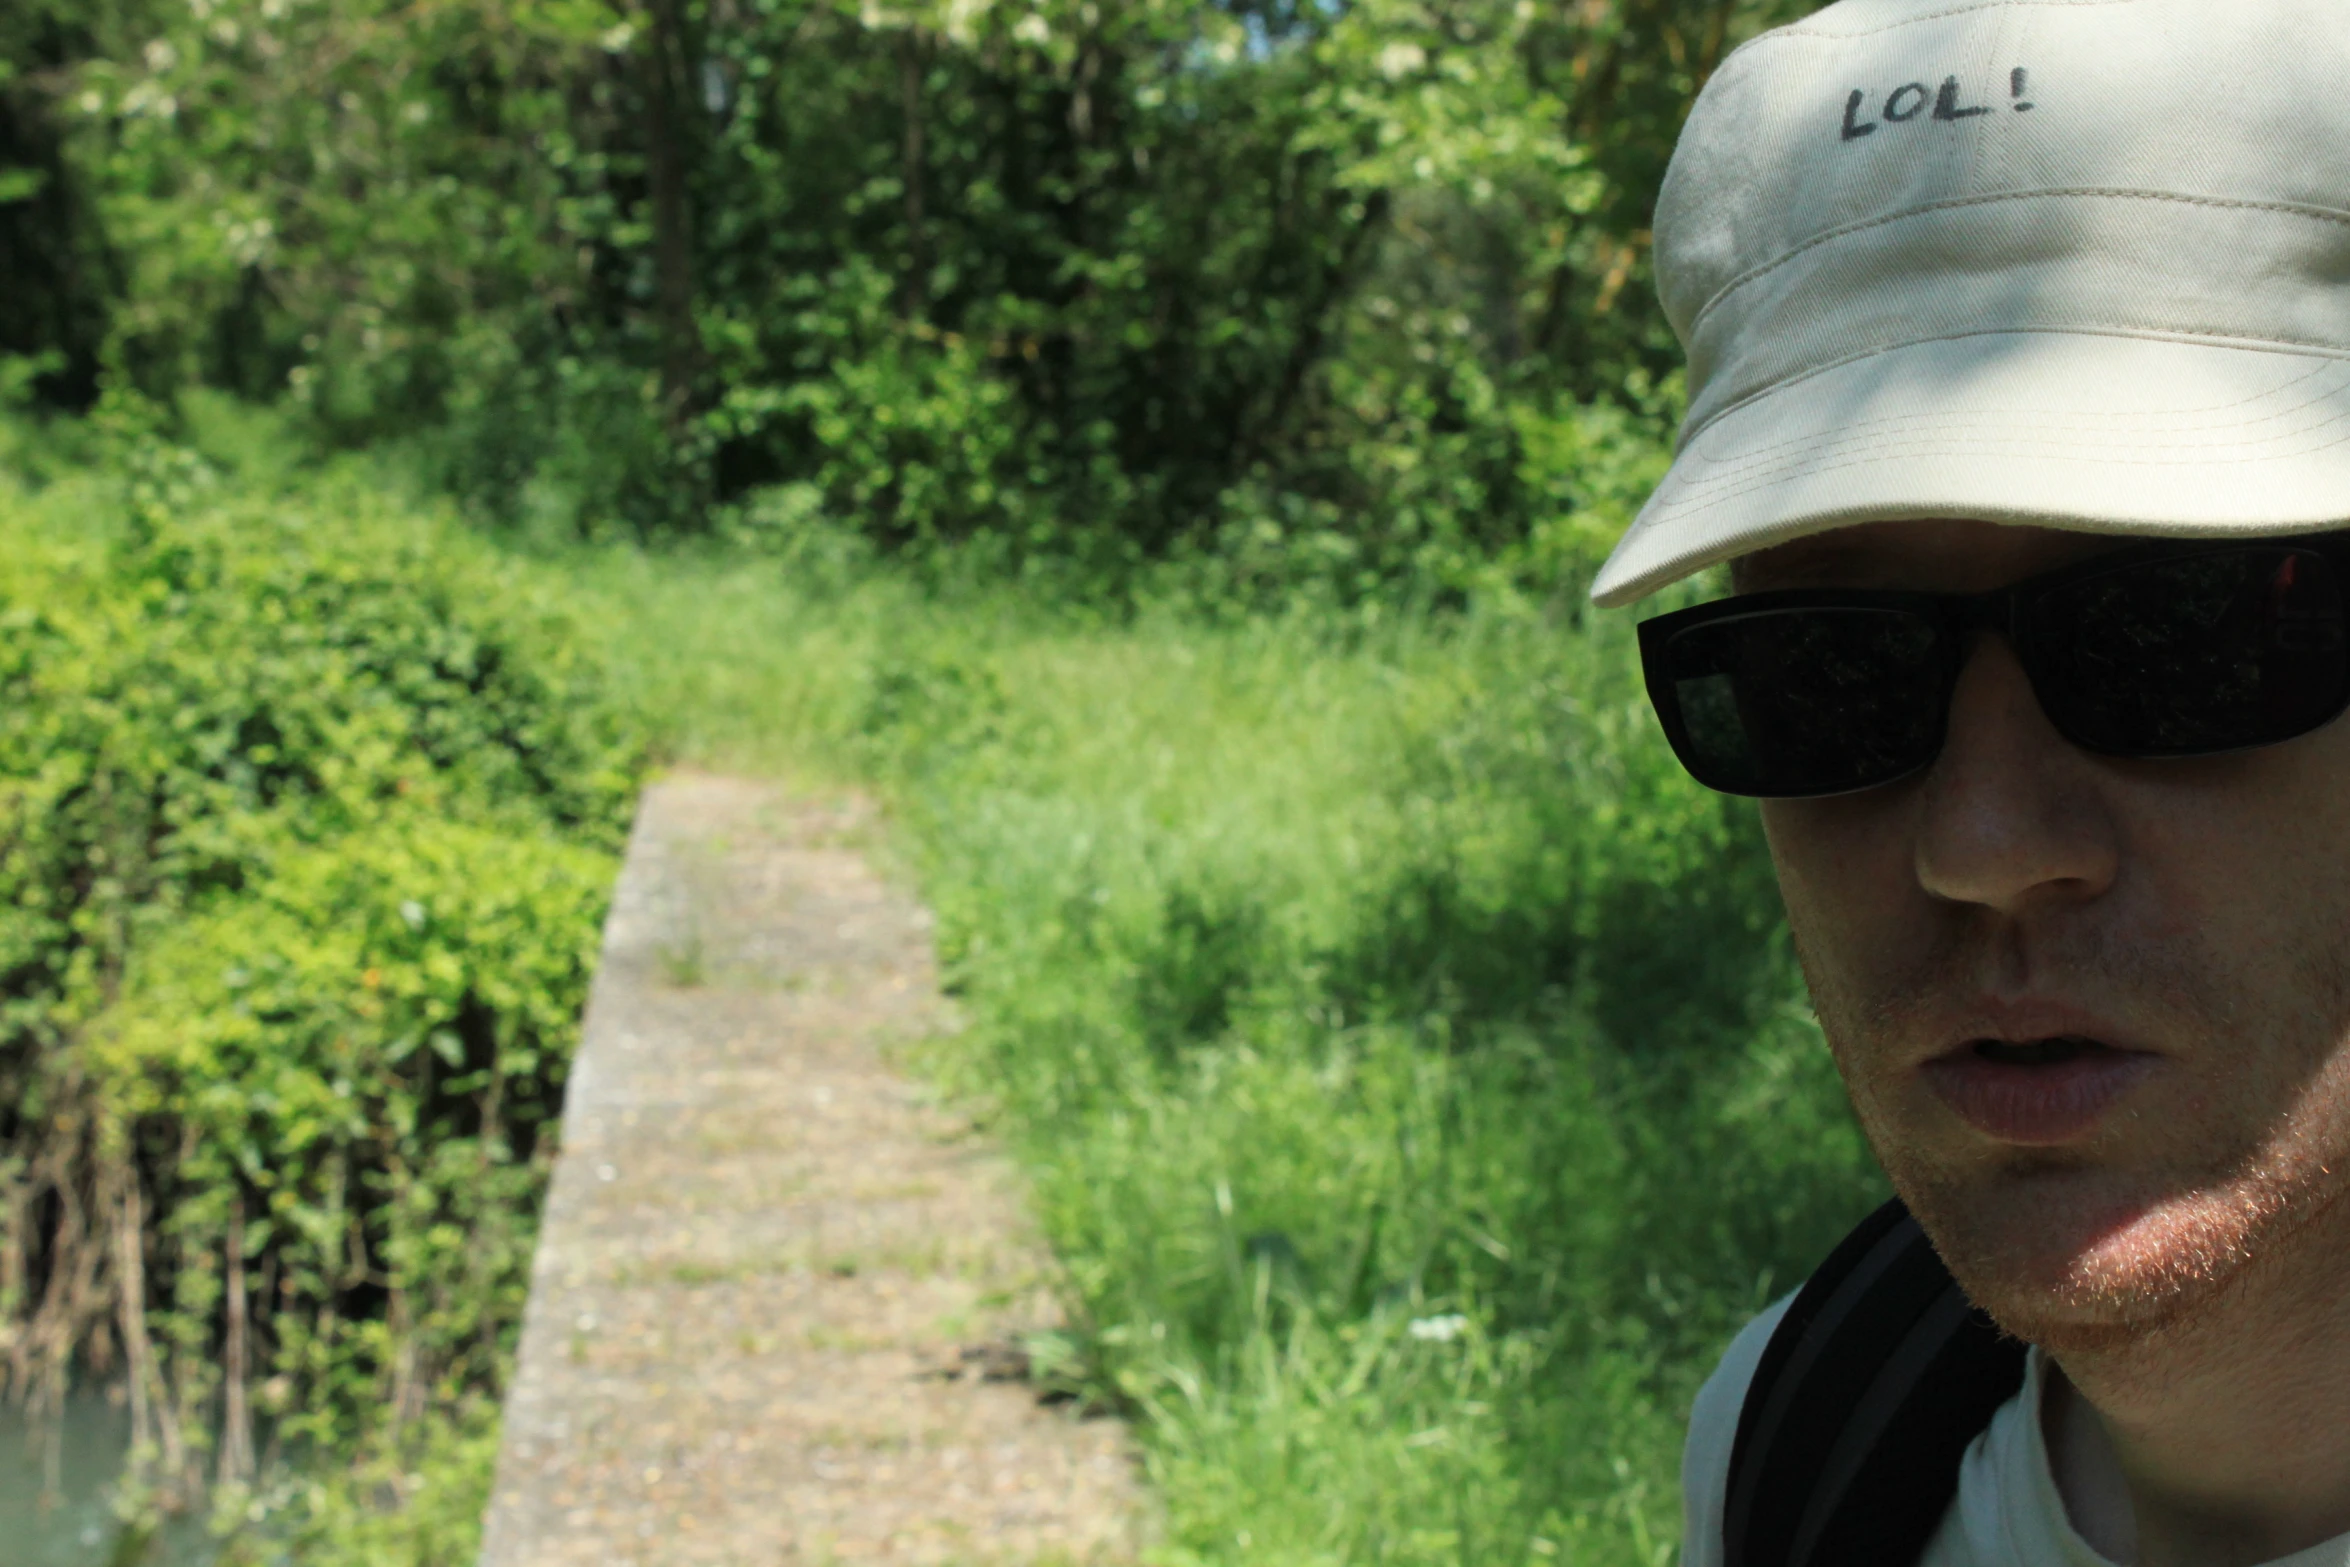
x,y
2035,1052
2035,1093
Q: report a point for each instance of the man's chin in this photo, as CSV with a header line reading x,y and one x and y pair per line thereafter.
x,y
2078,1259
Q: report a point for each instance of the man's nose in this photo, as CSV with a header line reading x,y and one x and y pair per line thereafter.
x,y
2015,815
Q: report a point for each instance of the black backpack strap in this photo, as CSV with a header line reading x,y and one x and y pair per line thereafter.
x,y
1862,1408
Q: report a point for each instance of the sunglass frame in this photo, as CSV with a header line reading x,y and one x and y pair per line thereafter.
x,y
1953,616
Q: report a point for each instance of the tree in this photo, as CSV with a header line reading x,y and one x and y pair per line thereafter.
x,y
1125,274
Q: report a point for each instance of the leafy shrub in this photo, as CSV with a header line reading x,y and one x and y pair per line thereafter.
x,y
1102,278
309,809
348,1077
438,1475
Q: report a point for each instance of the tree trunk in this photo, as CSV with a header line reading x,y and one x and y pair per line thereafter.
x,y
236,1437
668,95
912,173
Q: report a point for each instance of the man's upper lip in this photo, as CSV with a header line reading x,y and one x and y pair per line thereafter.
x,y
2023,1022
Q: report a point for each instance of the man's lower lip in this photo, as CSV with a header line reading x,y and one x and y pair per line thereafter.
x,y
2035,1106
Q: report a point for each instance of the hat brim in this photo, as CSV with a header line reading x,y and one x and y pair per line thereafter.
x,y
2096,432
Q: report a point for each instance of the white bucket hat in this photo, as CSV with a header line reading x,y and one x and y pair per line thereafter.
x,y
2080,263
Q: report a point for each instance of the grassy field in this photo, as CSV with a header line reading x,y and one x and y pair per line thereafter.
x,y
1415,1082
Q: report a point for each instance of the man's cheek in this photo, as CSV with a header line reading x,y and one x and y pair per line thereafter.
x,y
1896,1110
1846,867
1860,954
1887,1096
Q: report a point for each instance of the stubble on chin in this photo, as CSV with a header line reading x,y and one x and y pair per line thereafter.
x,y
2083,1251
2067,1261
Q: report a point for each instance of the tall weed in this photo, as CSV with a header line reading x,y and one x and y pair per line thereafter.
x,y
1407,1058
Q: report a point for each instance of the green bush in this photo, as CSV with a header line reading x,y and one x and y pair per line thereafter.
x,y
309,806
1097,278
350,1075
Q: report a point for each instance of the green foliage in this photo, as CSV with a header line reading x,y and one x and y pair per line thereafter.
x,y
1406,1058
363,1056
409,1497
1106,279
53,316
310,806
222,676
1402,1047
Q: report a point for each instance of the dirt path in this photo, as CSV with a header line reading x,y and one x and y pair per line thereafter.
x,y
774,1280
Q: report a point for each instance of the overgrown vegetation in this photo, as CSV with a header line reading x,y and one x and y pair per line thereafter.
x,y
1415,1089
1157,447
1404,1048
1415,1086
1103,279
310,810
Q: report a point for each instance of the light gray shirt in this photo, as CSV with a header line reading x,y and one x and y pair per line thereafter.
x,y
2007,1513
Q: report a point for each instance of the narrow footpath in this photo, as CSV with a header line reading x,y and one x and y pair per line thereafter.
x,y
779,1294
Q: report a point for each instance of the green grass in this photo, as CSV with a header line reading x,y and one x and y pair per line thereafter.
x,y
1413,1079
1333,974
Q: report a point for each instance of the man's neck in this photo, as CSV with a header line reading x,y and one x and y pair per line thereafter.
x,y
2223,1441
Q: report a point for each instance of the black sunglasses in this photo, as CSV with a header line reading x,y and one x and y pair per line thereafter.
x,y
2165,650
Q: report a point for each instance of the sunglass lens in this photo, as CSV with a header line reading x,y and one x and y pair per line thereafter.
x,y
2197,654
1804,700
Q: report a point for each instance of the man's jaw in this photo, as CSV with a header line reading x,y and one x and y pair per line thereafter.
x,y
2081,1260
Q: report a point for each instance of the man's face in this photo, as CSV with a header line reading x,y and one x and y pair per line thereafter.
x,y
2093,1014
